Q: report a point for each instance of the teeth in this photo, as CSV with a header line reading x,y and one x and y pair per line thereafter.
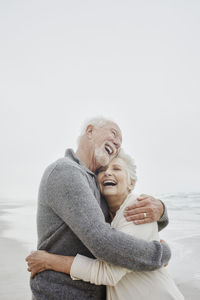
x,y
108,149
109,182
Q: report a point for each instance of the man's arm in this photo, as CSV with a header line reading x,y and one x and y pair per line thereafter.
x,y
147,209
70,196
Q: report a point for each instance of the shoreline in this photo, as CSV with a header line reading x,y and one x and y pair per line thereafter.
x,y
14,277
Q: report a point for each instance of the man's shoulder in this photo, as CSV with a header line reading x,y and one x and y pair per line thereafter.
x,y
63,164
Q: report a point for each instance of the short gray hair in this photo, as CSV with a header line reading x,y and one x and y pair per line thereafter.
x,y
96,122
131,167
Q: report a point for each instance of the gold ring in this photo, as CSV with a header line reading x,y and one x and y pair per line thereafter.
x,y
145,215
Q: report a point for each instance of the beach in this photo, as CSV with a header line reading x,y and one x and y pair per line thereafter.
x,y
18,238
14,278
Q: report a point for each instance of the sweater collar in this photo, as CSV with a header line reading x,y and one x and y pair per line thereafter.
x,y
71,154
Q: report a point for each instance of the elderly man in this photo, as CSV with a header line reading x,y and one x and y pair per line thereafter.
x,y
72,217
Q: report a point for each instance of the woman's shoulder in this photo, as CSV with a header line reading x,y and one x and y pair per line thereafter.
x,y
148,231
131,199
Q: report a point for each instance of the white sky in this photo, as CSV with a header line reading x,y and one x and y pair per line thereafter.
x,y
134,61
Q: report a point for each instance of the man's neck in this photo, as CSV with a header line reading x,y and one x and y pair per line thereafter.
x,y
86,157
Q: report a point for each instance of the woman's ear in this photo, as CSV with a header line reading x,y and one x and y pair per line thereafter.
x,y
89,131
131,185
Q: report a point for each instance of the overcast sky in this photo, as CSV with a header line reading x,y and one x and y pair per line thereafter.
x,y
134,61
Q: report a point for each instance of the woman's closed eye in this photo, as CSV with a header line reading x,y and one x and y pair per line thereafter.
x,y
102,169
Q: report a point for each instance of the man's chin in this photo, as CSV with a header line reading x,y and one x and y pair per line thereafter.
x,y
102,160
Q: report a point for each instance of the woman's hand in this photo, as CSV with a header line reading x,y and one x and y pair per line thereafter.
x,y
39,261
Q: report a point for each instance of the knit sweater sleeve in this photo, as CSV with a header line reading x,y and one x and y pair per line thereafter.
x,y
164,220
69,195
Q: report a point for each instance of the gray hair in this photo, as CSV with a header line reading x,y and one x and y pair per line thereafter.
x,y
96,122
131,167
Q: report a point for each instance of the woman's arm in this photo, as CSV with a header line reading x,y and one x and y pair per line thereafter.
x,y
79,267
96,271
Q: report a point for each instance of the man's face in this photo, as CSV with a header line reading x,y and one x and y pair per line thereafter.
x,y
107,141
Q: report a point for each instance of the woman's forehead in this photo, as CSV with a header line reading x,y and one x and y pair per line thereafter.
x,y
117,161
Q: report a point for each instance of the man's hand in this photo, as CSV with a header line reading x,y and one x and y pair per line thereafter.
x,y
146,210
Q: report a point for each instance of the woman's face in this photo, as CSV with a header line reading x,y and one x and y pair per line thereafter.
x,y
114,180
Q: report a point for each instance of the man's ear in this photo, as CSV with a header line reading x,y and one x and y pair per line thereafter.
x,y
89,131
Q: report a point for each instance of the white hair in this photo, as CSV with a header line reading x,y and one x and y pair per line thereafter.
x,y
131,167
96,122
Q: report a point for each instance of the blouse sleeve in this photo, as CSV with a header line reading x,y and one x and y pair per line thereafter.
x,y
96,271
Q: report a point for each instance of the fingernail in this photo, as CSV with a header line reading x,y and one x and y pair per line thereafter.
x,y
136,222
128,219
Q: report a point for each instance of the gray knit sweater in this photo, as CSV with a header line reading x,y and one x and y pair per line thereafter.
x,y
71,219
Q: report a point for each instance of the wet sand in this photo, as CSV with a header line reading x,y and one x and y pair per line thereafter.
x,y
14,277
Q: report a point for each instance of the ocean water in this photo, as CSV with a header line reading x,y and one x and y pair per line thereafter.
x,y
184,215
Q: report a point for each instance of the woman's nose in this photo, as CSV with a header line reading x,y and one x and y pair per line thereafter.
x,y
108,172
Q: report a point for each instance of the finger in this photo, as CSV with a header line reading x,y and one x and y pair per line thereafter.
x,y
136,211
33,274
142,204
28,257
138,217
30,265
165,265
143,196
144,221
135,205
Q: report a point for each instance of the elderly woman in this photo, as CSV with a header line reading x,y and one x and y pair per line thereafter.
x,y
116,183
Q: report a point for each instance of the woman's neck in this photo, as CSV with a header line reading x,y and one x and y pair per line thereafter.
x,y
114,203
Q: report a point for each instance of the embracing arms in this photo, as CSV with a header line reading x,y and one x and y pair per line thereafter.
x,y
91,270
76,205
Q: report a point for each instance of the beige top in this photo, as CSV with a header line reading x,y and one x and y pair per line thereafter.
x,y
122,283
